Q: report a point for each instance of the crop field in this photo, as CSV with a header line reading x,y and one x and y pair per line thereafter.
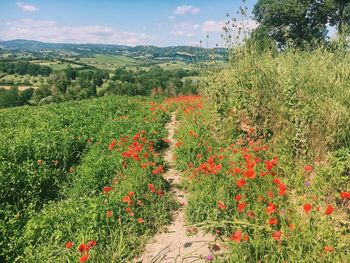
x,y
71,174
108,61
58,65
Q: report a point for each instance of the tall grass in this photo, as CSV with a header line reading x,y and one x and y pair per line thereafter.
x,y
298,100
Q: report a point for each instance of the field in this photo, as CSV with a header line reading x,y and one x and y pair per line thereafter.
x,y
79,162
58,65
109,61
261,160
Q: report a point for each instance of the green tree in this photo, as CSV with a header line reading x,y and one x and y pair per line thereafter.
x,y
339,13
299,21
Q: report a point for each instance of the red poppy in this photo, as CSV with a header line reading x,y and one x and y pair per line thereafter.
x,y
282,189
131,194
277,181
328,249
112,145
277,235
250,214
345,195
221,205
270,194
308,168
140,220
126,199
273,221
329,210
84,258
241,206
91,244
307,207
69,244
83,248
246,237
240,183
271,208
237,236
106,189
109,214
238,197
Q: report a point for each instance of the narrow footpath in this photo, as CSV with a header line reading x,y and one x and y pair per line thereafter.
x,y
178,243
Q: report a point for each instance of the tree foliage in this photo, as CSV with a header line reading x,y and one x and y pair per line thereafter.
x,y
301,21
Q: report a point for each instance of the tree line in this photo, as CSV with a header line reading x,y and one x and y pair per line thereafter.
x,y
24,68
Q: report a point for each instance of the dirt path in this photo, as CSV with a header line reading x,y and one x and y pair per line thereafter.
x,y
175,244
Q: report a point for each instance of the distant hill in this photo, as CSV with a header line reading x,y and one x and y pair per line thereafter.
x,y
174,52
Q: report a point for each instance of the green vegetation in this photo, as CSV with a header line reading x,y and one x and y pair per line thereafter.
x,y
56,164
23,68
301,22
108,61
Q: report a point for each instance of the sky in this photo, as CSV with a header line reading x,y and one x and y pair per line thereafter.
x,y
127,22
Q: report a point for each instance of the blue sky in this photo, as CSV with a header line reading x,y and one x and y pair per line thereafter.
x,y
131,22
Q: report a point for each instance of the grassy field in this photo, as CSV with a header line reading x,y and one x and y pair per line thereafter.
x,y
78,175
109,61
58,65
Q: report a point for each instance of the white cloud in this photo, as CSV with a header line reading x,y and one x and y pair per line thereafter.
x,y
26,7
185,29
50,31
213,26
186,9
171,17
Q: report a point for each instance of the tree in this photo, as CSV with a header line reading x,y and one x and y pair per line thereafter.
x,y
339,14
299,21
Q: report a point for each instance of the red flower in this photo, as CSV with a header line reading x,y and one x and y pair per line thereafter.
x,y
237,236
277,235
307,207
246,237
112,145
221,205
131,194
106,189
250,214
329,210
83,248
241,206
238,197
91,244
84,258
109,214
282,189
277,181
328,249
273,221
126,199
240,183
308,168
271,208
345,195
140,220
69,244
270,194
